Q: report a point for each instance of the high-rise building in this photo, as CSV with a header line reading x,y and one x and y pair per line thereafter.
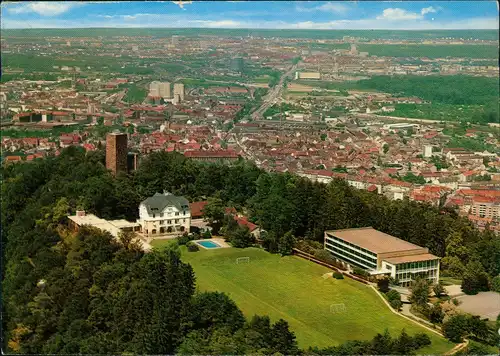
x,y
354,49
175,40
179,90
427,151
154,88
164,90
117,152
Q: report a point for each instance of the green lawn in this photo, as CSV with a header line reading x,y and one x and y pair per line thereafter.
x,y
293,289
448,281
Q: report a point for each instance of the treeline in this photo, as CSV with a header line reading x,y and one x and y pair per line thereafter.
x,y
456,89
277,202
431,51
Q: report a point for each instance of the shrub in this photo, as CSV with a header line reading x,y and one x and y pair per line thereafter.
x,y
338,275
436,314
393,294
456,328
357,271
396,304
184,239
207,235
439,290
192,247
394,298
383,285
421,340
495,284
327,257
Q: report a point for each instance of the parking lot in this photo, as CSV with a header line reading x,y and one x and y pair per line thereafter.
x,y
484,304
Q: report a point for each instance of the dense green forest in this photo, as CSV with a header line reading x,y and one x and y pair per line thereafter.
x,y
431,51
87,293
457,89
451,89
453,97
448,112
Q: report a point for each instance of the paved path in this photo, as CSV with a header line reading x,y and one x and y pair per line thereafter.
x,y
423,323
404,316
405,310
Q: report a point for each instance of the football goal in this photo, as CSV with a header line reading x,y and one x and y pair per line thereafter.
x,y
337,308
242,260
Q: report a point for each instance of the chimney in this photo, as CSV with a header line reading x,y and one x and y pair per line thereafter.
x,y
80,213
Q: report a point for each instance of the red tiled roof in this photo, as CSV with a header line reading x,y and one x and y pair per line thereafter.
x,y
242,221
319,172
197,208
469,173
211,154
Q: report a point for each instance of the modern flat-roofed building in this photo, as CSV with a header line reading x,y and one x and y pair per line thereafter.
x,y
382,254
179,90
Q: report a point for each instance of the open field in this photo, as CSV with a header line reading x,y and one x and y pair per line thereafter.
x,y
293,289
431,51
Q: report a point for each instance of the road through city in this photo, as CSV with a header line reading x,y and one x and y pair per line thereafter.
x,y
273,94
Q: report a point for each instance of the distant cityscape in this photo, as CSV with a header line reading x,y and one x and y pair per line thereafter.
x,y
299,105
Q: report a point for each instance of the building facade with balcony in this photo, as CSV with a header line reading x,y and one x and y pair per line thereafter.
x,y
382,254
164,214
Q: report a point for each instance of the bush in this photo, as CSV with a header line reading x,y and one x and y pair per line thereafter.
x,y
192,247
396,304
421,340
308,246
360,272
495,284
436,314
338,275
456,328
439,290
383,285
207,235
184,239
394,298
327,257
393,294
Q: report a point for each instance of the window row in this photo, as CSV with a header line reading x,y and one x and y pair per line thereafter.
x,y
353,251
170,214
409,275
169,222
420,264
342,254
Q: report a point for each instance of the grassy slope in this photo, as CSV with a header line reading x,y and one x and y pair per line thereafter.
x,y
293,289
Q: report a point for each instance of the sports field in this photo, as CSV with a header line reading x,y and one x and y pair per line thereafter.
x,y
294,289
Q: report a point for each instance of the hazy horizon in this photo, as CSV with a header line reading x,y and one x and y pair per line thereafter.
x,y
271,15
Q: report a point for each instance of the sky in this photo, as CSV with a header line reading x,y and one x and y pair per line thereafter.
x,y
349,15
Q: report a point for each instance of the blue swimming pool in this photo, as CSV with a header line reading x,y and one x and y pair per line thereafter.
x,y
208,244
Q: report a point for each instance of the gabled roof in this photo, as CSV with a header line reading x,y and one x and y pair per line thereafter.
x,y
159,202
197,208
